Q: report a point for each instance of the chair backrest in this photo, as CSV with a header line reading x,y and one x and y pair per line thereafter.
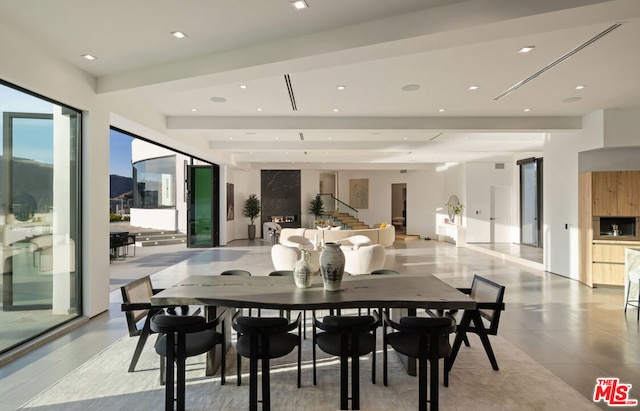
x,y
281,273
139,291
487,291
243,273
384,272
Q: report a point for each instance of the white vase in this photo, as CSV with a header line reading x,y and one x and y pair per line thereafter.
x,y
332,266
302,271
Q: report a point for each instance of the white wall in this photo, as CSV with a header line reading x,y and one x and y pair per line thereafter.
x,y
621,127
309,188
425,198
245,183
560,197
480,177
29,65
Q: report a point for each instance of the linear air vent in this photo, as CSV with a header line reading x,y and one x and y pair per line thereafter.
x,y
555,63
436,136
301,136
292,97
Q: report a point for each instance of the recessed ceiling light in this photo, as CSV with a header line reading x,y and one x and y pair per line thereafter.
x,y
441,110
243,86
580,87
527,110
341,87
466,138
526,49
218,99
405,138
277,138
411,87
473,87
194,109
178,34
259,109
89,57
572,99
335,110
230,138
330,138
299,4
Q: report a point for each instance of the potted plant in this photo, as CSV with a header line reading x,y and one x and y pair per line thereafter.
x,y
316,207
251,210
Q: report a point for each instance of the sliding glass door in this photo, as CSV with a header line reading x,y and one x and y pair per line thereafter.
x,y
203,210
39,215
531,202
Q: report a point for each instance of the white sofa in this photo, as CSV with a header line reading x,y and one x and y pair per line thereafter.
x,y
362,254
383,236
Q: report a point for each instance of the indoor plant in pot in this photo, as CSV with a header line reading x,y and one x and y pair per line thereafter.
x,y
251,210
316,207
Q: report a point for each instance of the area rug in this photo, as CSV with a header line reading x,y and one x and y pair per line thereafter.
x,y
103,383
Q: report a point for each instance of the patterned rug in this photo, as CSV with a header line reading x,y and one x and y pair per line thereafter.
x,y
103,383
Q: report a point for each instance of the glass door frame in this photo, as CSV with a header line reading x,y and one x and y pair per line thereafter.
x,y
214,240
538,162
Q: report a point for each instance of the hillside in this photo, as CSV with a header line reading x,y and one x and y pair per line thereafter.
x,y
119,185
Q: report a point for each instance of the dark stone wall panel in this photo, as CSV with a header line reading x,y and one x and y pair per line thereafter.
x,y
280,191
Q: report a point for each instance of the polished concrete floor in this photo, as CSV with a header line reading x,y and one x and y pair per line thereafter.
x,y
577,332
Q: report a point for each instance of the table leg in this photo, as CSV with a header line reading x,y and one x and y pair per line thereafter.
x,y
409,363
214,357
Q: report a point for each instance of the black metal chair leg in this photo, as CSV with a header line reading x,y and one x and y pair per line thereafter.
x,y
344,382
266,391
422,384
355,382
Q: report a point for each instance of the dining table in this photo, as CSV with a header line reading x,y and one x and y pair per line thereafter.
x,y
404,294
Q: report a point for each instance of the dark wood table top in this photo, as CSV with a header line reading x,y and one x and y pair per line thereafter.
x,y
394,291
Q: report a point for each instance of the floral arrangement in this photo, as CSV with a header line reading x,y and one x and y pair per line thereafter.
x,y
456,208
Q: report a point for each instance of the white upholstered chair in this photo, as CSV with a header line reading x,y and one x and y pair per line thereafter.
x,y
364,259
284,257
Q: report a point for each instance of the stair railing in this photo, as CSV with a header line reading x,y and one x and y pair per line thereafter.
x,y
333,205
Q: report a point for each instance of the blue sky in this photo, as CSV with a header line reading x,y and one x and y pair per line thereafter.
x,y
120,158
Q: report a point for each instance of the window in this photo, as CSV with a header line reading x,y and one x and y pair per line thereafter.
x,y
154,183
39,214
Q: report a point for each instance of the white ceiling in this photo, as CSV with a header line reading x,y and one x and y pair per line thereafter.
x,y
373,48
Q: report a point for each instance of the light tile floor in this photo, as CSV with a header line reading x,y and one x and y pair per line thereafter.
x,y
577,332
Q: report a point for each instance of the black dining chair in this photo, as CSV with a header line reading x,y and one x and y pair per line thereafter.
x,y
136,305
347,337
265,338
489,297
289,273
424,338
182,337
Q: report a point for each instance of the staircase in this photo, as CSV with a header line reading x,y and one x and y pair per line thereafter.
x,y
348,221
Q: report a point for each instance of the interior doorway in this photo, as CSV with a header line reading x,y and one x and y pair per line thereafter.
x,y
500,215
399,206
328,183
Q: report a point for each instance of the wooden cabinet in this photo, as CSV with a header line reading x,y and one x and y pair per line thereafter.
x,y
616,193
605,194
608,261
628,196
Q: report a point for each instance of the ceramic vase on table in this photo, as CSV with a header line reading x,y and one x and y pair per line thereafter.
x,y
302,270
332,266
